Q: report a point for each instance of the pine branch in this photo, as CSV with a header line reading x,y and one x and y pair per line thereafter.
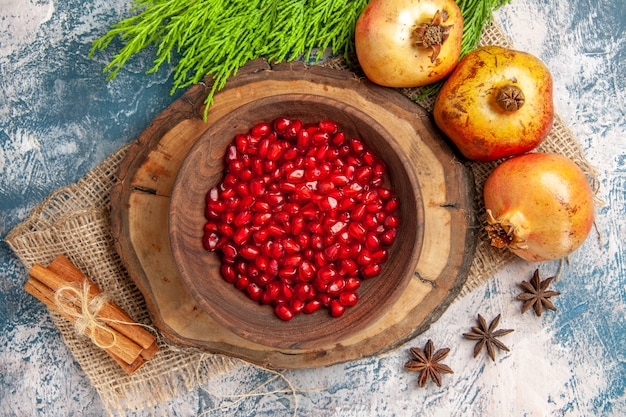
x,y
217,37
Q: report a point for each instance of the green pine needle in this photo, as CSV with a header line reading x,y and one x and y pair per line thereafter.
x,y
217,37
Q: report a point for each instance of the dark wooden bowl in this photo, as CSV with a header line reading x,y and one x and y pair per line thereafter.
x,y
200,270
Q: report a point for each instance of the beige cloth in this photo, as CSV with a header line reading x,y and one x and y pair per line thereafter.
x,y
75,221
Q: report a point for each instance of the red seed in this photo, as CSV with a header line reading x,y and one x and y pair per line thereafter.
x,y
357,230
283,312
372,241
261,129
228,272
241,235
254,291
389,236
336,286
370,271
306,271
336,308
311,306
250,252
296,305
348,298
210,241
357,146
392,221
328,126
352,283
303,139
242,282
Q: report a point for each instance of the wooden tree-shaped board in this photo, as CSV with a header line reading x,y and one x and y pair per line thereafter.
x,y
140,203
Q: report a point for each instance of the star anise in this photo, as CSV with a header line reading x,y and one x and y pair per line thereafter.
x,y
427,363
536,294
487,336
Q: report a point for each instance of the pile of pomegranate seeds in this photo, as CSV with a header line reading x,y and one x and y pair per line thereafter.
x,y
301,216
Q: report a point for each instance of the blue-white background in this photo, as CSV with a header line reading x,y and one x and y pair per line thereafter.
x,y
59,118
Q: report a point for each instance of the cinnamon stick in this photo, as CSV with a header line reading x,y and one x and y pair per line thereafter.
x,y
124,349
114,316
133,344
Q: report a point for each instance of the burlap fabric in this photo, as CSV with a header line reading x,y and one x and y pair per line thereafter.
x,y
75,221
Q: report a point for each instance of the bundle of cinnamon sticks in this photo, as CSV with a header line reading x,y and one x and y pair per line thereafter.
x,y
127,342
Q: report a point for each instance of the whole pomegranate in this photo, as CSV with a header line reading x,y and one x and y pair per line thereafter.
x,y
539,205
407,43
497,103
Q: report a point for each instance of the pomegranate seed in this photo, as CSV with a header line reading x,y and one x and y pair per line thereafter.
x,y
336,286
286,291
293,260
370,222
303,139
311,306
297,225
392,221
348,267
275,151
352,283
317,242
281,124
292,130
320,137
304,291
276,230
241,235
339,179
263,148
252,272
336,308
338,139
303,238
357,146
306,271
328,126
327,273
276,250
297,175
296,305
370,271
242,282
348,298
368,157
254,291
357,230
250,252
262,262
260,236
283,311
228,272
309,212
282,217
259,219
332,252
372,241
210,241
261,129
288,272
320,259
389,236
324,299
290,245
226,230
